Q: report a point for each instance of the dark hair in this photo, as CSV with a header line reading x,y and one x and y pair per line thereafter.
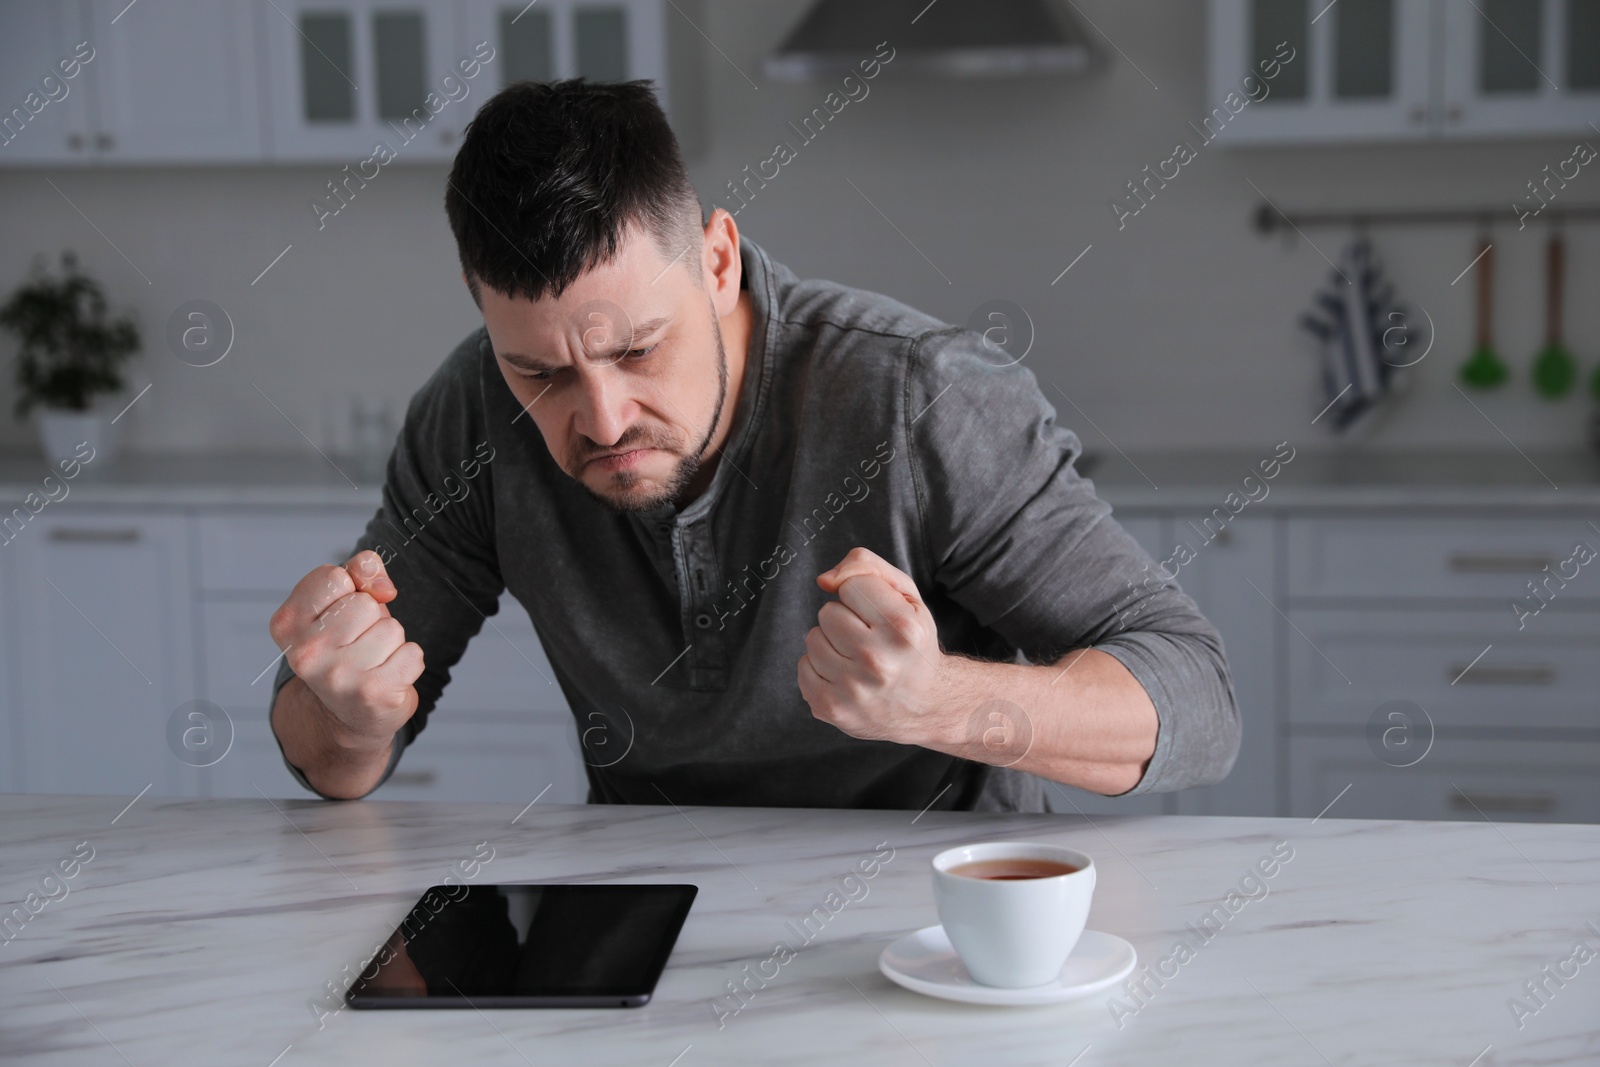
x,y
550,178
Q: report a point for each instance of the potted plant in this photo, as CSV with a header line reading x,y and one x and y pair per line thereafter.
x,y
71,352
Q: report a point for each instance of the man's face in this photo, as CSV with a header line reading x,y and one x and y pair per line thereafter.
x,y
624,373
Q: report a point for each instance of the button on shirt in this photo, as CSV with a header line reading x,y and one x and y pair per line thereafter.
x,y
860,422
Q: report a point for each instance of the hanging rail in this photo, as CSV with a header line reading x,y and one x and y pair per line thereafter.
x,y
1269,219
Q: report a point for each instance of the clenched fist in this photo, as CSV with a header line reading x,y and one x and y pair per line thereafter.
x,y
341,641
873,666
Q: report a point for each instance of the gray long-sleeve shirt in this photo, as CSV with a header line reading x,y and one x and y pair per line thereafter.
x,y
675,635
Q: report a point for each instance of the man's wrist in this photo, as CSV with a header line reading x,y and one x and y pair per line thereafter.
x,y
350,743
954,701
336,737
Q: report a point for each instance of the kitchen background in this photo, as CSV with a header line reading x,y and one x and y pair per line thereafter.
x,y
183,166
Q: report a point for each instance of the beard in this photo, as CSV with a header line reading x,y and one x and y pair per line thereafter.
x,y
624,493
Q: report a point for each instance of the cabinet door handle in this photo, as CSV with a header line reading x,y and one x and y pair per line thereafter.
x,y
125,535
1513,674
75,142
1499,562
422,777
104,141
1517,803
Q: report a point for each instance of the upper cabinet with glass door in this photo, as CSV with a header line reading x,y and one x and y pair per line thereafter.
x,y
1372,70
1357,69
601,40
1521,67
351,75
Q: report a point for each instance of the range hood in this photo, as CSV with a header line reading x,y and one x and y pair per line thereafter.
x,y
956,38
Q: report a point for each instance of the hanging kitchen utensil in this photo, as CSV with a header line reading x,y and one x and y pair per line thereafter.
x,y
1594,413
1484,370
1554,371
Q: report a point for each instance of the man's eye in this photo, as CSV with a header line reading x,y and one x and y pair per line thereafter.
x,y
640,353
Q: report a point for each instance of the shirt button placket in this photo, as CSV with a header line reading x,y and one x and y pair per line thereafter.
x,y
706,652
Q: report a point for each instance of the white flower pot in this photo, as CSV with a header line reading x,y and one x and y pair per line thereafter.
x,y
62,434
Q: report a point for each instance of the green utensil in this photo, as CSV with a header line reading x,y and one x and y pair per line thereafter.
x,y
1555,372
1485,370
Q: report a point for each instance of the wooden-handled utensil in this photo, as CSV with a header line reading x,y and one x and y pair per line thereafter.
x,y
1554,371
1484,370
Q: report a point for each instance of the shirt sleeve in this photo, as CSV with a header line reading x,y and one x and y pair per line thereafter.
x,y
435,532
1017,537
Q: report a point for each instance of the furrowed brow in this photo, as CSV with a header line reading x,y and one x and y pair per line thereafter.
x,y
641,330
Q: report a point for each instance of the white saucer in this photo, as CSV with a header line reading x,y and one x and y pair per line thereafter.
x,y
924,962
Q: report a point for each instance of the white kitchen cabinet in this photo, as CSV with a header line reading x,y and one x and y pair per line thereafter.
x,y
1400,599
505,670
1520,67
1218,579
1466,667
1151,531
601,40
504,754
1376,70
36,39
11,735
239,663
1231,577
1392,556
1359,69
348,75
1475,779
167,81
294,81
265,552
462,759
499,725
105,650
176,82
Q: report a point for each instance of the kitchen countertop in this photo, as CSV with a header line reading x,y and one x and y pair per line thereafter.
x,y
194,478
205,931
1198,479
1352,478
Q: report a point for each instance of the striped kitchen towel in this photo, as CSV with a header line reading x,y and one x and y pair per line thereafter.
x,y
1363,332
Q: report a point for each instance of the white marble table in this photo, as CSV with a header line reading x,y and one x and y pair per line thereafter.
x,y
203,932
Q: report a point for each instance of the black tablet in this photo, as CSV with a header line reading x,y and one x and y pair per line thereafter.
x,y
527,946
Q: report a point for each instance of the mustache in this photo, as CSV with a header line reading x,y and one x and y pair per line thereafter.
x,y
634,437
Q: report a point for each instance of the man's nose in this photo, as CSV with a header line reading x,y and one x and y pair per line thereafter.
x,y
604,409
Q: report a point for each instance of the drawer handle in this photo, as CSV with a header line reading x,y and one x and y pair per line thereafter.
x,y
413,777
90,535
1499,562
1518,803
1530,674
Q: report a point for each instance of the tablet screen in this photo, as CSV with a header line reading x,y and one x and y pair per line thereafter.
x,y
527,946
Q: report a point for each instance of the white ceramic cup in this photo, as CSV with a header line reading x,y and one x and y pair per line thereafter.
x,y
1013,933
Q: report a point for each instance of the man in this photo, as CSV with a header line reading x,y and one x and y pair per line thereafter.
x,y
784,542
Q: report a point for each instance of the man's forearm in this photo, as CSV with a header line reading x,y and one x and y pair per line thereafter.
x,y
1083,721
335,761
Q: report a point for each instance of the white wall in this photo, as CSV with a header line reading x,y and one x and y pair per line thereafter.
x,y
1176,331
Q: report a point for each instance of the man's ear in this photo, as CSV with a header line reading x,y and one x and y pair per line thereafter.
x,y
720,265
